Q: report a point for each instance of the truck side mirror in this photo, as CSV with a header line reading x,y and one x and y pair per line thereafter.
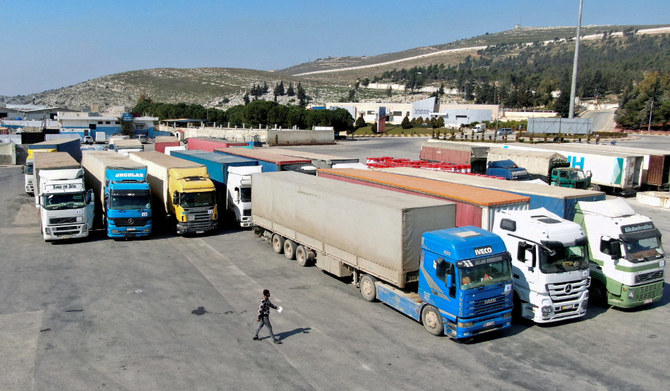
x,y
23,169
175,198
588,173
521,251
237,194
611,247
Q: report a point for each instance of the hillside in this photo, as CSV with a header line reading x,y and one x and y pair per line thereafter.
x,y
224,87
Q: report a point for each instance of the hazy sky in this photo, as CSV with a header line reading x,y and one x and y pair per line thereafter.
x,y
49,44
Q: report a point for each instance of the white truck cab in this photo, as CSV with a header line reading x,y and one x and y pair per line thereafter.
x,y
550,264
238,187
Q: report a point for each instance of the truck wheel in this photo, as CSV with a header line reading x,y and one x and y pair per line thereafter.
x,y
368,287
277,243
594,187
599,293
258,231
289,249
432,320
302,255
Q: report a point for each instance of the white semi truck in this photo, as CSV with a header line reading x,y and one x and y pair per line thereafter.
x,y
627,257
66,207
550,264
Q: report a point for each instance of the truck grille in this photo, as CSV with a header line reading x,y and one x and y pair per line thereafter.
x,y
491,304
649,276
130,221
199,219
63,220
650,291
567,291
65,230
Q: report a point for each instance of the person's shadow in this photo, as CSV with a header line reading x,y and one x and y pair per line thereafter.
x,y
301,330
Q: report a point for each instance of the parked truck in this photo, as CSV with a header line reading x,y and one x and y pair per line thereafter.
x,y
561,201
508,170
474,205
232,178
69,145
454,281
161,142
455,153
66,207
123,199
627,257
614,172
183,194
551,167
550,264
320,160
271,161
126,146
209,144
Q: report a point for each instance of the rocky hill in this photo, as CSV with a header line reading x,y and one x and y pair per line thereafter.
x,y
224,87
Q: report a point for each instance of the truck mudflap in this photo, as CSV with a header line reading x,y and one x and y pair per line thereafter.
x,y
468,328
635,296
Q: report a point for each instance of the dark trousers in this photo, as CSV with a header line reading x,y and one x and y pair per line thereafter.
x,y
265,321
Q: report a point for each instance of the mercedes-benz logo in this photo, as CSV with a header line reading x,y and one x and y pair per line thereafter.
x,y
131,221
568,288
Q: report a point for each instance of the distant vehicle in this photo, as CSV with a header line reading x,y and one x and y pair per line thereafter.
x,y
479,128
88,140
505,131
143,139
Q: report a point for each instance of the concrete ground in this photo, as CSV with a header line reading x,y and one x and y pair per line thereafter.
x,y
175,313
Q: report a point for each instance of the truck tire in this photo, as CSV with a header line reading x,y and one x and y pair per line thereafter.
x,y
598,293
258,231
368,287
594,187
432,320
302,255
277,243
289,249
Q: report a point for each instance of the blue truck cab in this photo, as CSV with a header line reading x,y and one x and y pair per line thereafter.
x,y
127,203
507,169
465,284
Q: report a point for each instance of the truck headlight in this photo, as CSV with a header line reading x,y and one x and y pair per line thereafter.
x,y
48,231
466,324
79,219
631,295
547,309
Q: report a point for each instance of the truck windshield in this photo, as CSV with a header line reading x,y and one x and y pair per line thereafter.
x,y
193,200
245,194
64,201
638,250
577,174
484,274
130,201
561,259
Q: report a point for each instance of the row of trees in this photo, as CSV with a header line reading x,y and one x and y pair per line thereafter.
x,y
647,104
258,112
523,77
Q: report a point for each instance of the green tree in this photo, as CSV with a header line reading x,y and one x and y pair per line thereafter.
x,y
360,122
246,98
127,128
278,115
406,123
290,91
341,120
302,96
257,112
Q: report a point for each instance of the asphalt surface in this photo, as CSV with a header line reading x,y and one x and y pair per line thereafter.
x,y
175,313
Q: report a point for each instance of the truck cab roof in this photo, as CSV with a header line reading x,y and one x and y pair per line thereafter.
x,y
538,223
462,243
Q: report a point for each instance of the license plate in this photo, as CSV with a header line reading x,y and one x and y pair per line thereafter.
x,y
491,323
648,301
566,307
200,232
131,229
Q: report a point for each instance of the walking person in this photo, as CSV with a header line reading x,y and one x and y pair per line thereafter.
x,y
264,316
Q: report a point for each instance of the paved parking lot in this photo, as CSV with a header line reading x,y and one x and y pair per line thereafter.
x,y
175,313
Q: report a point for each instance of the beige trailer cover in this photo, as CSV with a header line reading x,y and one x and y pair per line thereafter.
x,y
375,230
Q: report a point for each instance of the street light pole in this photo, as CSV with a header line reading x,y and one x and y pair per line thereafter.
x,y
573,88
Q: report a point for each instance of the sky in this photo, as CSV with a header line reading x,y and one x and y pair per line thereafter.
x,y
48,44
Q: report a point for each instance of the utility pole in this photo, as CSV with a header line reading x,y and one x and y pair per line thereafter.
x,y
651,113
573,89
